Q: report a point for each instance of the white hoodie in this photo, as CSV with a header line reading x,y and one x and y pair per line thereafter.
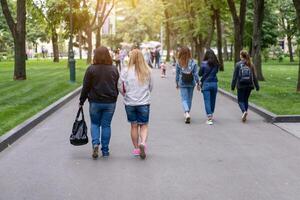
x,y
135,93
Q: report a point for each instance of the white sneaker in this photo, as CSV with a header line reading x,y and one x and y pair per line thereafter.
x,y
244,117
209,122
187,118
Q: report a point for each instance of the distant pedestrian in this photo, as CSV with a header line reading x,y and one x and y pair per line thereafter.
x,y
209,83
123,55
147,57
117,59
244,78
186,79
163,67
157,58
100,87
135,85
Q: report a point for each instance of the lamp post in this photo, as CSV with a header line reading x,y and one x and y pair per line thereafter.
x,y
71,60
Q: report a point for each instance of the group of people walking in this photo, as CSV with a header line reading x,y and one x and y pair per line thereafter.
x,y
102,83
188,76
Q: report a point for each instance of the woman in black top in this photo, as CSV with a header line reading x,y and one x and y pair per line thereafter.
x,y
100,86
244,78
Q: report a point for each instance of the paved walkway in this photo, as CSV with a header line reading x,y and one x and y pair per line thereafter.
x,y
227,161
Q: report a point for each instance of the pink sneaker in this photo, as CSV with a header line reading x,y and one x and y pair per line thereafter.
x,y
136,152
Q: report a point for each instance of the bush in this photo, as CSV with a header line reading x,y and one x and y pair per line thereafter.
x,y
266,54
277,53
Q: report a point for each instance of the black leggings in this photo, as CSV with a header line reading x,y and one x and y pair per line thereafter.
x,y
243,98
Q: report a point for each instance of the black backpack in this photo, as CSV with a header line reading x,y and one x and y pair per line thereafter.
x,y
187,77
245,74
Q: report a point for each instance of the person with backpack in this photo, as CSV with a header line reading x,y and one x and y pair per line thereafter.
x,y
135,85
244,78
209,83
186,80
100,86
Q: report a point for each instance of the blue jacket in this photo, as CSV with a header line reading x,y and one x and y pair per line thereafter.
x,y
205,69
192,67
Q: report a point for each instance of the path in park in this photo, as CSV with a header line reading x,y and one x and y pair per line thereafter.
x,y
227,161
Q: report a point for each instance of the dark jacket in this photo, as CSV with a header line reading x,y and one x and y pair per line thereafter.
x,y
210,74
236,77
100,84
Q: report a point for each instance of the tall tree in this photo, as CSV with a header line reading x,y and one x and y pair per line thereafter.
x,y
219,37
288,23
239,24
167,25
259,6
91,19
53,12
18,30
297,6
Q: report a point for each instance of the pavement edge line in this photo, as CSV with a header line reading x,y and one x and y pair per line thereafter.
x,y
269,116
14,134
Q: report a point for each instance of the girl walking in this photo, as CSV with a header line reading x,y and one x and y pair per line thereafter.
x,y
100,87
209,83
244,78
135,85
186,79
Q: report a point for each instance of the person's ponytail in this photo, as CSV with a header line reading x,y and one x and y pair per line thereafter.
x,y
245,55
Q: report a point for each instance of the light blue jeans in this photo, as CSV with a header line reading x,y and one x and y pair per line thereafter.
x,y
186,98
101,115
209,91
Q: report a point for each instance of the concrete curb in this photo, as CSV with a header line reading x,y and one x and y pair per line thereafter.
x,y
269,116
11,136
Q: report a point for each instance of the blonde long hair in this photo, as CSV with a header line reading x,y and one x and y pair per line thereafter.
x,y
142,70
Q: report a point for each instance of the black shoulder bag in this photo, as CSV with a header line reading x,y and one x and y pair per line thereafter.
x,y
79,130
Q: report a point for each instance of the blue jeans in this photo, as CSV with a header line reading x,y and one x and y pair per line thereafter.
x,y
209,90
186,98
243,98
101,115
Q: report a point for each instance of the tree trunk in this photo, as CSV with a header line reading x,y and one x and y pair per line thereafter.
x,y
239,24
90,46
297,6
219,38
80,45
55,46
256,41
211,32
18,31
226,56
193,49
231,52
199,46
289,39
98,37
167,16
298,85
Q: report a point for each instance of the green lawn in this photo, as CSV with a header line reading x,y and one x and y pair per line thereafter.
x,y
277,93
46,82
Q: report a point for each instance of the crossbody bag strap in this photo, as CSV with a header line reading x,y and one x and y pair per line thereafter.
x,y
206,75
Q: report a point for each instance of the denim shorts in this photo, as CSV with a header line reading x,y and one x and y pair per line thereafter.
x,y
138,114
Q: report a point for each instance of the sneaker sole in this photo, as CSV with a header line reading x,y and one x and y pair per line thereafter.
x,y
142,153
244,118
95,153
188,120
